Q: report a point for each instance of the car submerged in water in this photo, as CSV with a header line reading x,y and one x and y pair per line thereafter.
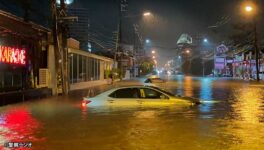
x,y
154,80
137,95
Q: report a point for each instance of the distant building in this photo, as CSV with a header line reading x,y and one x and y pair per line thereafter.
x,y
185,39
237,62
79,30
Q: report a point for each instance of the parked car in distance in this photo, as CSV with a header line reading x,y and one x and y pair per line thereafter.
x,y
154,80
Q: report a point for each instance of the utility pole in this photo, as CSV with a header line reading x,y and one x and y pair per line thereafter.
x,y
256,48
122,8
60,42
120,64
64,51
135,50
55,39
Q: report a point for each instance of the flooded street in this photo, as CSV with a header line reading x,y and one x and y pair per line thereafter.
x,y
231,117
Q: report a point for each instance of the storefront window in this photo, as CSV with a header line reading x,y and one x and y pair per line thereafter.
x,y
92,69
74,68
83,68
98,69
80,73
84,58
70,67
2,79
17,80
88,68
95,69
8,80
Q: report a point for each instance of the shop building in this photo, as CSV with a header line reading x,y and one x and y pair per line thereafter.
x,y
23,51
87,69
237,63
27,62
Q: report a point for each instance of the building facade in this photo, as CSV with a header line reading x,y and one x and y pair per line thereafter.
x,y
23,51
28,63
87,69
79,29
237,63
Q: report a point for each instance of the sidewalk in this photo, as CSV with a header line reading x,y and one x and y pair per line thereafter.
x,y
82,91
23,95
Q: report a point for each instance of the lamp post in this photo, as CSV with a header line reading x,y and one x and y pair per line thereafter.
x,y
123,8
205,41
137,53
146,14
147,41
250,9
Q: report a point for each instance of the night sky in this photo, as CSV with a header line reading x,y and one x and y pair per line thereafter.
x,y
170,19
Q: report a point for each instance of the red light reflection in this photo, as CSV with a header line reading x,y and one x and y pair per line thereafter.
x,y
18,126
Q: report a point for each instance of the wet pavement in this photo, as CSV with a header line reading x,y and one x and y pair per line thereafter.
x,y
232,117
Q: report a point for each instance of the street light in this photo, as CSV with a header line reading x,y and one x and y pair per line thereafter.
x,y
205,40
147,41
248,8
153,57
146,14
153,52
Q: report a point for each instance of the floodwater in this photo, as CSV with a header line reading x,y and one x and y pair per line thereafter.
x,y
231,117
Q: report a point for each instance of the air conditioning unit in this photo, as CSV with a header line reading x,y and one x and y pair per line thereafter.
x,y
43,77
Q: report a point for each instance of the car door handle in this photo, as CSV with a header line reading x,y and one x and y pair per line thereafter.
x,y
110,101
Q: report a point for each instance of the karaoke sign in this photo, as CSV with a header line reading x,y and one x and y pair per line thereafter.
x,y
11,55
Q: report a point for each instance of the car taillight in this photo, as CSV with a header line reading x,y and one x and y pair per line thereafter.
x,y
85,102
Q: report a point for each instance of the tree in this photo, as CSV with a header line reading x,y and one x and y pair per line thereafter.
x,y
242,35
146,65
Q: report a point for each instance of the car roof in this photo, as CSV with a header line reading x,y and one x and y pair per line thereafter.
x,y
134,86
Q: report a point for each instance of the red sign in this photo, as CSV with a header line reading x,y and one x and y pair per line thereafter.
x,y
12,55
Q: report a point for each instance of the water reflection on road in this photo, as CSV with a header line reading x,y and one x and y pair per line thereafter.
x,y
18,125
231,117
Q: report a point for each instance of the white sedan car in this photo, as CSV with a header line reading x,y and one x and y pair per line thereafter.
x,y
136,95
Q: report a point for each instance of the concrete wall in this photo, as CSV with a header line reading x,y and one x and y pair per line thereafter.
x,y
84,85
52,70
102,64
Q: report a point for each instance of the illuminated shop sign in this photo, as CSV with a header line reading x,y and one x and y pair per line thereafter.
x,y
11,55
